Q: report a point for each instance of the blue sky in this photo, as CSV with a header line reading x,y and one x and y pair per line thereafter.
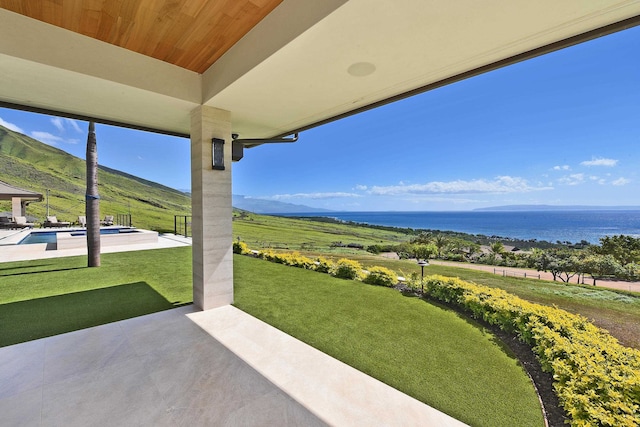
x,y
562,129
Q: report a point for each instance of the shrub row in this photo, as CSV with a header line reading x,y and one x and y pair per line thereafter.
x,y
343,268
596,379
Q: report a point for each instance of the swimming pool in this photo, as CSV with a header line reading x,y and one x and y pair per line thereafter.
x,y
52,236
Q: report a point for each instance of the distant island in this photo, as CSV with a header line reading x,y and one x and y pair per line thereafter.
x,y
262,206
529,208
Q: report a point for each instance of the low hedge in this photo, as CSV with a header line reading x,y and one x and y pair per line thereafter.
x,y
381,276
241,248
347,269
597,380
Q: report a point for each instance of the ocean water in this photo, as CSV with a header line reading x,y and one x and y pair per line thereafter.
x,y
571,226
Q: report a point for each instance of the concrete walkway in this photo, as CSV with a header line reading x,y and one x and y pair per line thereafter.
x,y
219,367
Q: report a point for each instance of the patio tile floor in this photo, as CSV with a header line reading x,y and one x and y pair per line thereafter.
x,y
180,367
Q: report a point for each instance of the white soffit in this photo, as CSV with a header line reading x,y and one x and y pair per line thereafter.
x,y
370,50
47,67
306,62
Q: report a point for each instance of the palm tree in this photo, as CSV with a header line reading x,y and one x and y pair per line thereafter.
x,y
497,249
92,204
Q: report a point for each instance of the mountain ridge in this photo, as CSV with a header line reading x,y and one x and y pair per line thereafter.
x,y
28,163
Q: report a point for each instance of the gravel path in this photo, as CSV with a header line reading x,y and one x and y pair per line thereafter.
x,y
520,272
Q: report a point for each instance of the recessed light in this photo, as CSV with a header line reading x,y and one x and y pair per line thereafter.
x,y
361,69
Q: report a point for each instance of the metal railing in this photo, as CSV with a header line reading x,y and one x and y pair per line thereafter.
x,y
123,220
182,225
506,273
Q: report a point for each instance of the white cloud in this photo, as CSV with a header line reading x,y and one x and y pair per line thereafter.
x,y
621,181
314,196
573,179
361,187
10,126
500,184
74,124
599,162
46,137
562,168
62,123
58,123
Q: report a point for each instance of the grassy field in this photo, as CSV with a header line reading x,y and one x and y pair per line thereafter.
x,y
32,165
263,231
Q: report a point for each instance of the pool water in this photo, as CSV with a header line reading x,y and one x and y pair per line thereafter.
x,y
52,236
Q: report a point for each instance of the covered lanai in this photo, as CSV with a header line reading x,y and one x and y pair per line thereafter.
x,y
261,69
19,198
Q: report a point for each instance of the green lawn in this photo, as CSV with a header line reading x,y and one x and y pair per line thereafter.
x,y
419,348
48,297
616,311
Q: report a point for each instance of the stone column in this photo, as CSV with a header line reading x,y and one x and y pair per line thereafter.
x,y
16,207
211,210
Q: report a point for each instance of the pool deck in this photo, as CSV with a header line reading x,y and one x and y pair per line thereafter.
x,y
10,251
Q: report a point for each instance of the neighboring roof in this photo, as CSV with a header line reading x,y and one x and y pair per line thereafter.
x,y
7,192
302,64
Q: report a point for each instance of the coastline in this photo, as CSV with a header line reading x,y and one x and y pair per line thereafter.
x,y
566,227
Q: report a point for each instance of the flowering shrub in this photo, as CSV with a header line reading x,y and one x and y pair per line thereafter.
x,y
596,379
240,248
347,269
381,276
324,265
291,259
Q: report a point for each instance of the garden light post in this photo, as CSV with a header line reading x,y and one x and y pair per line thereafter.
x,y
422,263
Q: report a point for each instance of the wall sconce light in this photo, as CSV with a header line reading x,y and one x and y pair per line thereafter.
x,y
218,154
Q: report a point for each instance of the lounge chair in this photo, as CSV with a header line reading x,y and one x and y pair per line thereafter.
x,y
21,222
108,220
52,221
5,222
82,221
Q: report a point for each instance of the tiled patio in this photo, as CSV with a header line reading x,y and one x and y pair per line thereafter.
x,y
220,367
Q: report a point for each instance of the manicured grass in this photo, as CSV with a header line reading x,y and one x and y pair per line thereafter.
x,y
54,296
419,348
616,311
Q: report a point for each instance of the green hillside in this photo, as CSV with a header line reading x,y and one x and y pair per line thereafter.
x,y
32,165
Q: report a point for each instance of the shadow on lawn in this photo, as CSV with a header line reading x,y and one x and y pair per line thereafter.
x,y
36,272
42,317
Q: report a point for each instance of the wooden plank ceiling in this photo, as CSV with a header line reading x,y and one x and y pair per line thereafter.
x,y
191,34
